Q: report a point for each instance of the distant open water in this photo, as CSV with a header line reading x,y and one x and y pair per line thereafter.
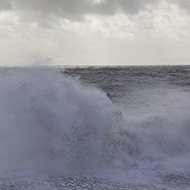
x,y
95,128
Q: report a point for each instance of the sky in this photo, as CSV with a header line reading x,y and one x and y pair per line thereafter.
x,y
94,32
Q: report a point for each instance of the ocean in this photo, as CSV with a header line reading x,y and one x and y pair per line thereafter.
x,y
92,128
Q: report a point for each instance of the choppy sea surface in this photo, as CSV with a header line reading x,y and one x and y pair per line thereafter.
x,y
95,128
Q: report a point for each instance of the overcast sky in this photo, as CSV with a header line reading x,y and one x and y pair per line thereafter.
x,y
94,32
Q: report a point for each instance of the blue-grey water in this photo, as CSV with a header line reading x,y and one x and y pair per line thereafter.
x,y
95,128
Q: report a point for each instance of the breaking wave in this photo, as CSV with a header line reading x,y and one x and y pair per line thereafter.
x,y
51,123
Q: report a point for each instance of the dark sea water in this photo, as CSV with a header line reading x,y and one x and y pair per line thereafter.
x,y
95,128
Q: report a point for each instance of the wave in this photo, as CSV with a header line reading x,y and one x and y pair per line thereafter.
x,y
162,126
51,123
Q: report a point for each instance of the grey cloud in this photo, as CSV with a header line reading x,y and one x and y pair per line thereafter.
x,y
5,5
76,9
184,4
65,8
131,6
